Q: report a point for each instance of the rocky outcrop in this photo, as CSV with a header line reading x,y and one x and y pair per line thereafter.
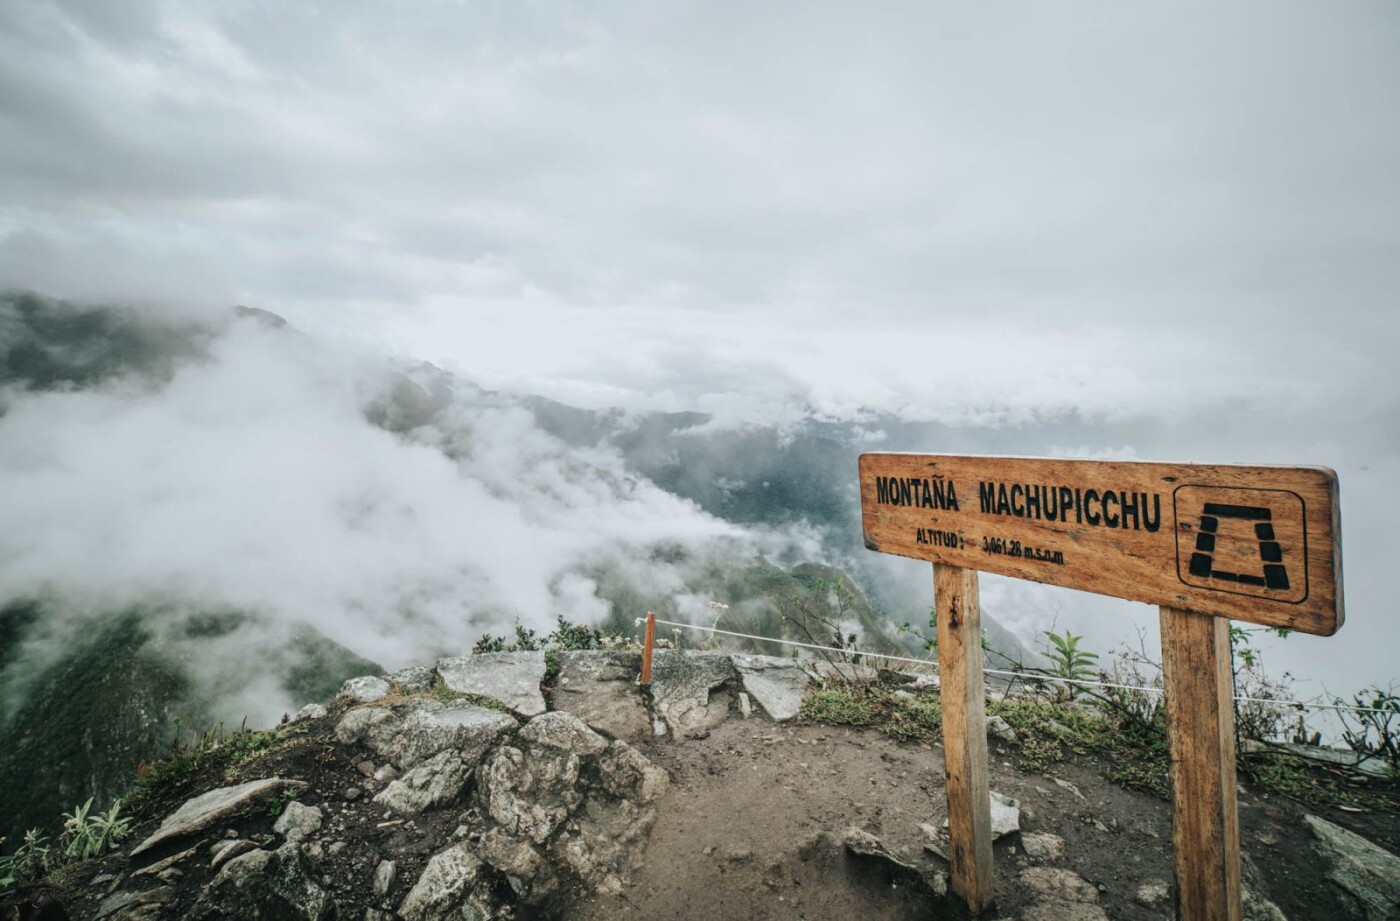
x,y
690,691
216,806
266,884
1363,871
777,684
599,687
513,678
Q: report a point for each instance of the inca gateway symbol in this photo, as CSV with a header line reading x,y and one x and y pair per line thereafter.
x,y
1242,541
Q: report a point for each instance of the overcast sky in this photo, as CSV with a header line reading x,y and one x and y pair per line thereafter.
x,y
1180,222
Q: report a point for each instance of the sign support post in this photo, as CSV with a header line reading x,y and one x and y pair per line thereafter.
x,y
1205,543
964,698
1201,744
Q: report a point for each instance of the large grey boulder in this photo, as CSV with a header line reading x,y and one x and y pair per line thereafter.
x,y
298,821
414,679
131,905
567,798
364,689
375,723
443,886
426,730
1363,870
215,807
532,789
436,782
1042,845
266,884
604,842
513,678
599,687
1062,885
689,690
777,684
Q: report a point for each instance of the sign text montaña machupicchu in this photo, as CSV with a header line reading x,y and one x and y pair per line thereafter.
x,y
1146,532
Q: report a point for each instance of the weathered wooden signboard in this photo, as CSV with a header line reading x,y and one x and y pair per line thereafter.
x,y
1205,542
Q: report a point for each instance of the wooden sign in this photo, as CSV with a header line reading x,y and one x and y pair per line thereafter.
x,y
1259,544
1206,543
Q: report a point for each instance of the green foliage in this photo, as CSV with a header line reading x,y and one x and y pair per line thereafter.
x,y
1263,715
1051,730
575,636
908,718
86,835
33,859
488,644
1374,733
1069,662
565,636
928,642
280,801
213,749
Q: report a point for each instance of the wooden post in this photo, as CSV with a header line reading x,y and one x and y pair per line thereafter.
x,y
964,733
647,646
1201,739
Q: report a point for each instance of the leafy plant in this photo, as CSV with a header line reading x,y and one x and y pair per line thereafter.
x,y
1374,730
905,717
928,642
1068,661
280,801
575,636
1263,713
86,835
31,860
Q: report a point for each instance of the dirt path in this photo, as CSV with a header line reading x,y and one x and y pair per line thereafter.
x,y
741,834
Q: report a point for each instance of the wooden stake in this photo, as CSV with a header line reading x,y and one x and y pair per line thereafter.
x,y
647,647
1201,738
964,699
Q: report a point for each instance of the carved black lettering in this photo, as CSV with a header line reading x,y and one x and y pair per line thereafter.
x,y
1017,508
1130,509
882,490
1154,521
1090,497
905,492
952,498
1033,494
986,497
1110,518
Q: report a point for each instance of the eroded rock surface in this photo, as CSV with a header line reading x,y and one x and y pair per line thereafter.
x,y
513,678
210,809
689,691
776,684
600,689
266,884
1362,869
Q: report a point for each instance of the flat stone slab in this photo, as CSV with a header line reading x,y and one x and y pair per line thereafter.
x,y
513,678
599,687
365,689
1359,867
683,686
467,729
777,684
213,808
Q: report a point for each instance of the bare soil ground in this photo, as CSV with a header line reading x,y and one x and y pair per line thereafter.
x,y
741,834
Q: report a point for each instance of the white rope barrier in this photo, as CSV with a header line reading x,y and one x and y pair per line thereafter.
x,y
1024,676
